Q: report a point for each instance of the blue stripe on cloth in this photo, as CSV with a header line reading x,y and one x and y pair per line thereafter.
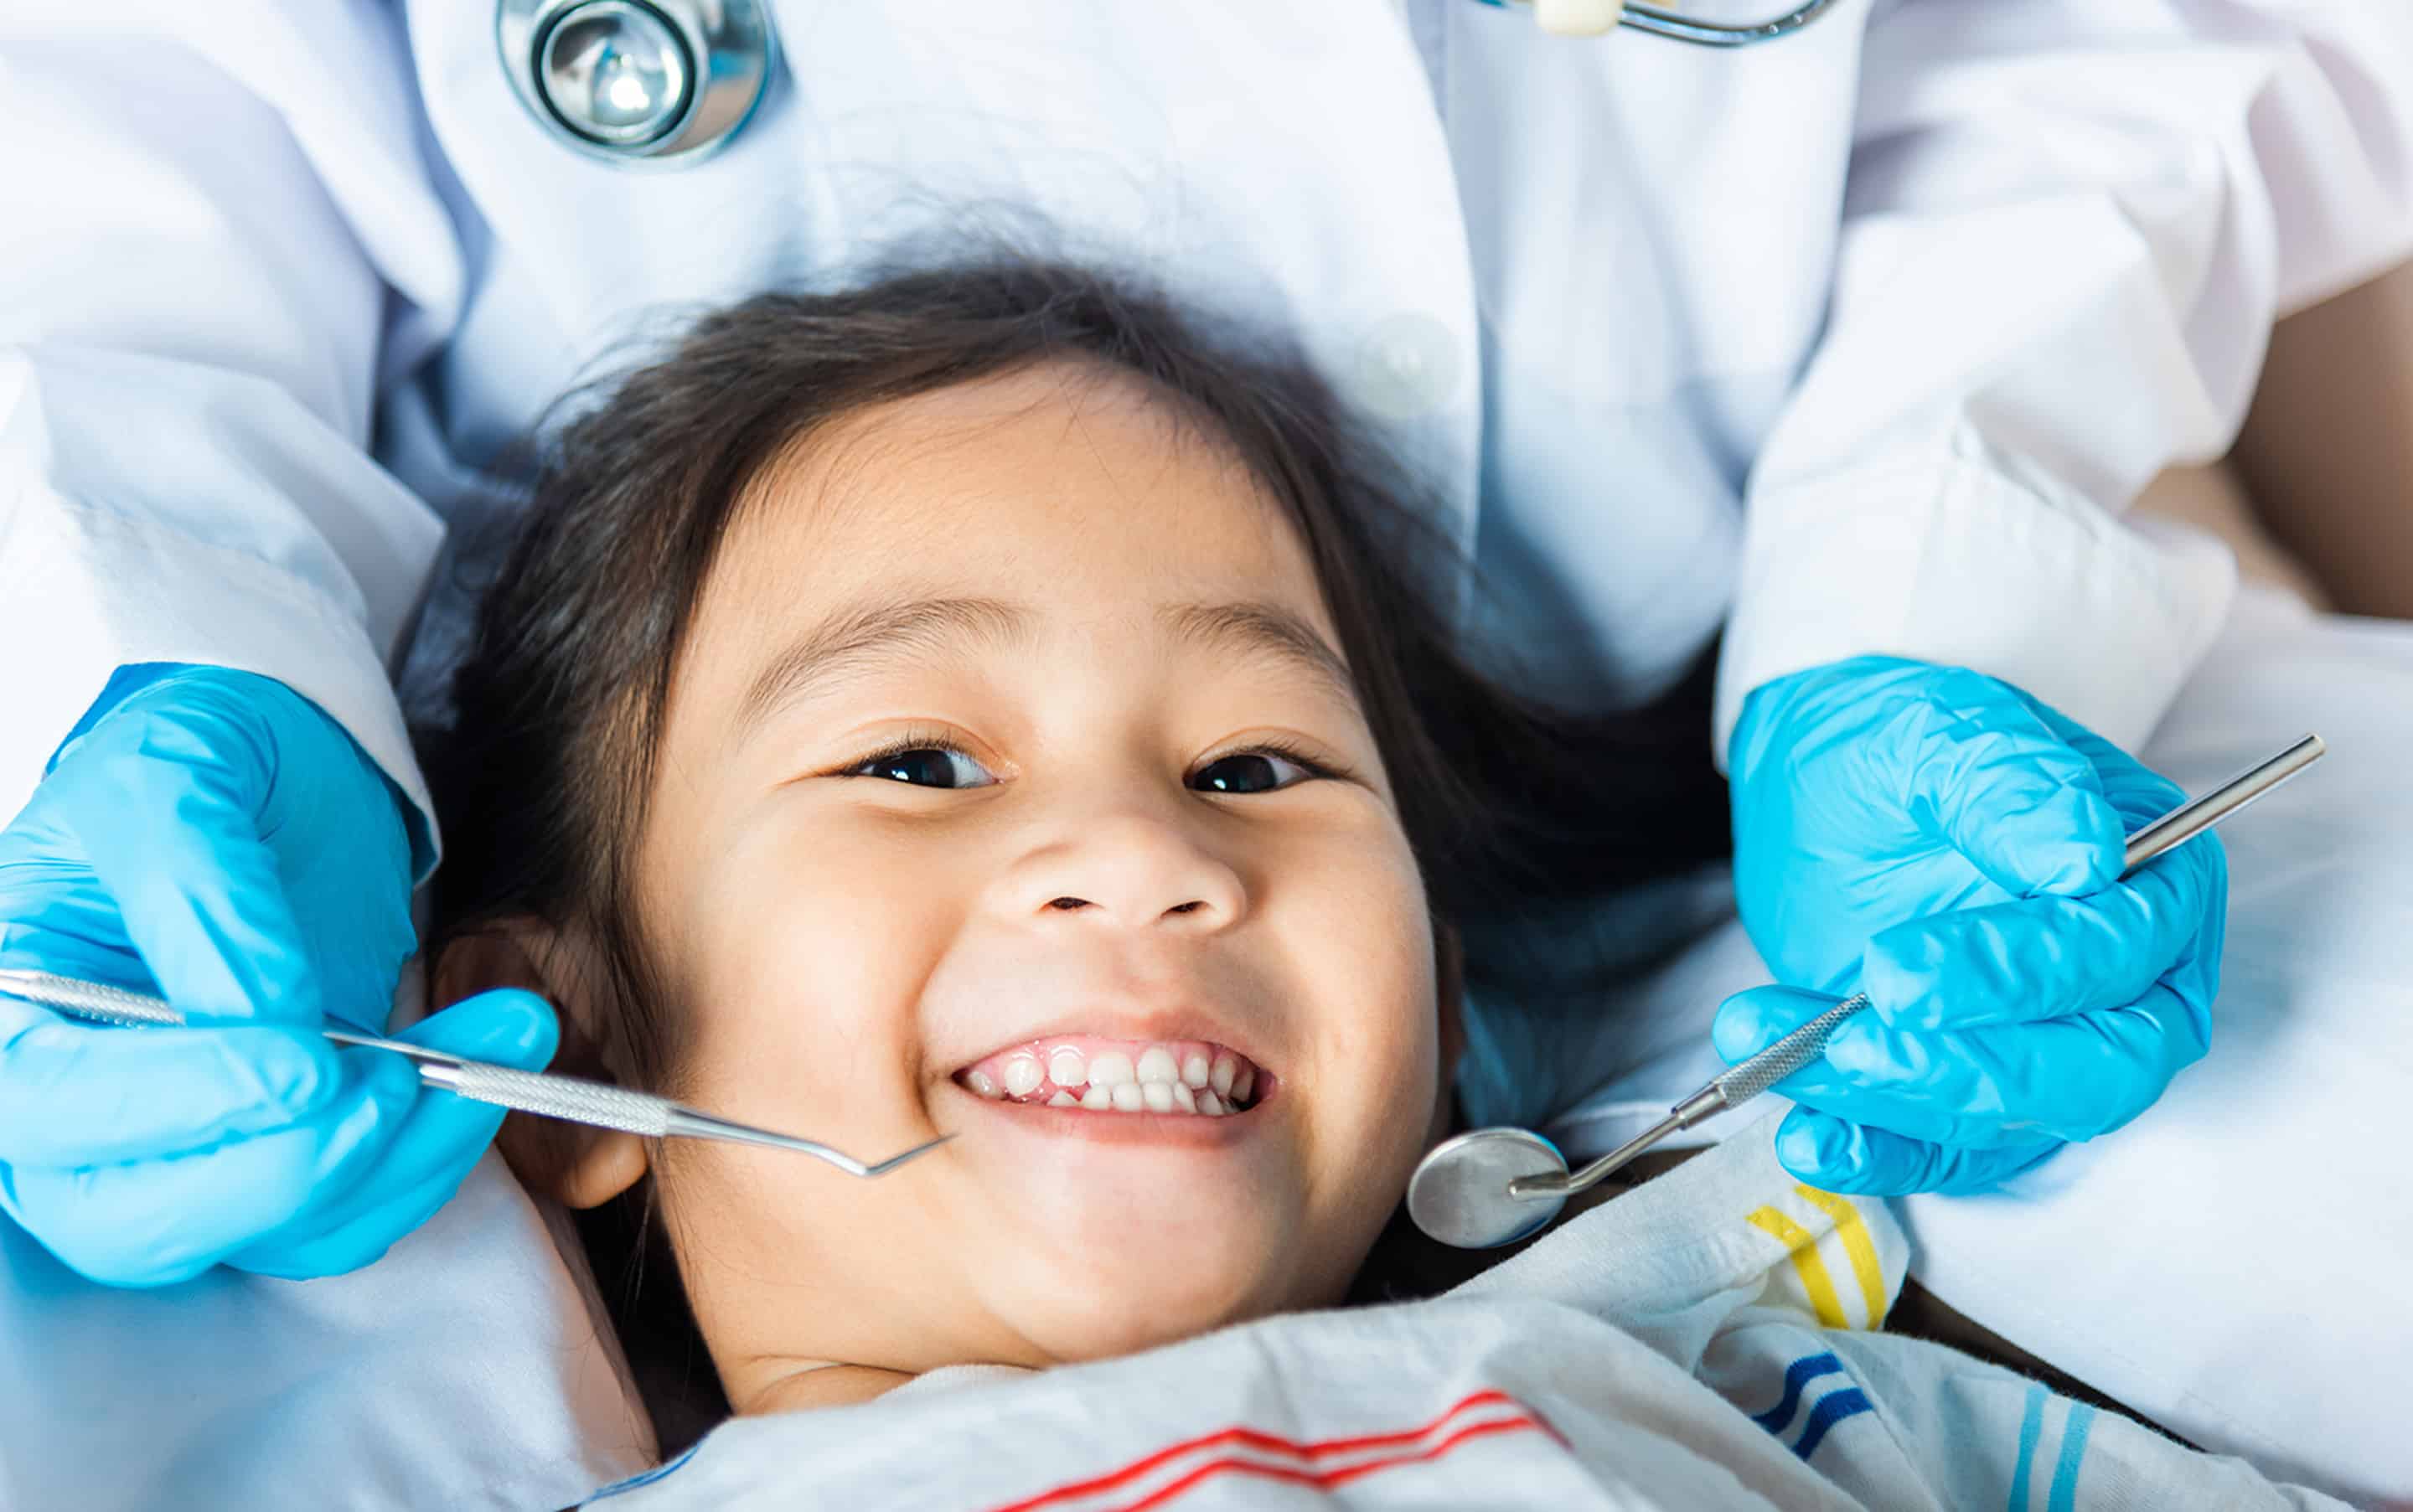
x,y
2073,1449
2030,1429
646,1478
1832,1408
1796,1375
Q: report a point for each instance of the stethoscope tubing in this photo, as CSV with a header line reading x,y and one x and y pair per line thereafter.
x,y
1676,28
727,52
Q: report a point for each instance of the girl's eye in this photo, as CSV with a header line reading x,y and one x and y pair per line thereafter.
x,y
926,766
1251,771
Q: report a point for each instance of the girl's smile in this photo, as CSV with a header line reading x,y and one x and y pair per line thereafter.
x,y
1102,1075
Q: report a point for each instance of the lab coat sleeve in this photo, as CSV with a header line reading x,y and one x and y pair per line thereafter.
x,y
217,235
2067,229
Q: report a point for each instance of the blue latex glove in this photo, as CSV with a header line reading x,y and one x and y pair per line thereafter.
x,y
214,837
1951,846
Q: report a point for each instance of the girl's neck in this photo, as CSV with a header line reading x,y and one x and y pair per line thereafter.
x,y
822,1385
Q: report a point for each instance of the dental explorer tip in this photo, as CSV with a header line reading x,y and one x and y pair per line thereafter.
x,y
884,1167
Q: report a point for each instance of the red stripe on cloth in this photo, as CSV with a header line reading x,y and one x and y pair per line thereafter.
x,y
1272,1442
1324,1480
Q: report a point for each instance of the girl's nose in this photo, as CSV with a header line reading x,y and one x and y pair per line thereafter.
x,y
1137,872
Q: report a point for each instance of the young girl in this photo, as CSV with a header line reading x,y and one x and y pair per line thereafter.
x,y
979,704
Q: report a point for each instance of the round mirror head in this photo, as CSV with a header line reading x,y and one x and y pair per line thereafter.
x,y
1459,1193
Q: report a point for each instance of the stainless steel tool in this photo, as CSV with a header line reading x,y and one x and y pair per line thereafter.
x,y
546,1094
1490,1187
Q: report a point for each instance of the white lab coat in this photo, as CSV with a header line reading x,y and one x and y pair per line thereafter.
x,y
1859,337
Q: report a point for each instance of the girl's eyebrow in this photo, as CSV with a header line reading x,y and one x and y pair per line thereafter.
x,y
1267,631
854,641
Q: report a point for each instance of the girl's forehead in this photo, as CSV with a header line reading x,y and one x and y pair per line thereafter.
x,y
1077,491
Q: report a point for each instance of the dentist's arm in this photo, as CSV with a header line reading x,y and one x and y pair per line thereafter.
x,y
217,240
2069,230
217,237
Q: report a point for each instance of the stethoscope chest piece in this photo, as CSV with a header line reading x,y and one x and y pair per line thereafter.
x,y
637,82
1459,1193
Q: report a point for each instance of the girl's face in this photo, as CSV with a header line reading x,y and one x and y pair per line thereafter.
x,y
1010,777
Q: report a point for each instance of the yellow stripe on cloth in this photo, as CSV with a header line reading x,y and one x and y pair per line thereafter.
x,y
1857,1243
1804,1246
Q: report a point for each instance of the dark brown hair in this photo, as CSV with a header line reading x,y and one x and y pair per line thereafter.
x,y
541,774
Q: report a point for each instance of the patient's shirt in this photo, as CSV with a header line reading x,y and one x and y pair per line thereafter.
x,y
1702,1341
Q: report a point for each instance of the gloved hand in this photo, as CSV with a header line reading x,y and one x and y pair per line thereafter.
x,y
214,838
1951,846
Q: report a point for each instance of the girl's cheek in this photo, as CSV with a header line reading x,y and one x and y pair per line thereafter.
x,y
807,967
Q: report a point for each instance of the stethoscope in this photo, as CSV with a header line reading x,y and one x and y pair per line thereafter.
x,y
658,83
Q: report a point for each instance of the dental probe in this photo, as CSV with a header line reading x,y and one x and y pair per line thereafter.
x,y
547,1094
1489,1187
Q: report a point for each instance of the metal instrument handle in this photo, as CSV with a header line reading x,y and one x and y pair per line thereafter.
x,y
1741,1084
555,1096
100,1003
546,1094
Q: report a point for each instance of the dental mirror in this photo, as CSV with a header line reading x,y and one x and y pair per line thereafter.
x,y
1459,1193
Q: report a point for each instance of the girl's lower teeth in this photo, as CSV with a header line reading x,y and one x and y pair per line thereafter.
x,y
1208,1088
1138,1097
1130,1097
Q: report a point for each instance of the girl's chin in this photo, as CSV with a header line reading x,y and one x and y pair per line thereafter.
x,y
1135,1325
1121,1298
1128,1194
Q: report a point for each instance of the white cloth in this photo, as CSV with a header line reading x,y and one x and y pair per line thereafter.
x,y
2233,1264
1699,1343
1932,286
463,1370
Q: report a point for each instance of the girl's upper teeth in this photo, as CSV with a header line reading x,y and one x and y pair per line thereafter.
x,y
1120,1076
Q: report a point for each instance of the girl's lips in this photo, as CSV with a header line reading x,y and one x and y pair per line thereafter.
x,y
1095,1073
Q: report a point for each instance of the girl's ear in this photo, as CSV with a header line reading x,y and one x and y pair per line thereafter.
x,y
577,1165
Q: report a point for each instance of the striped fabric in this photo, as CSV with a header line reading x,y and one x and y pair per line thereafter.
x,y
1846,1401
1804,1233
